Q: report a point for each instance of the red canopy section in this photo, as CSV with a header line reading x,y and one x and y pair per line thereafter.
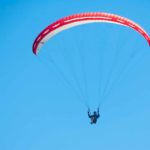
x,y
84,18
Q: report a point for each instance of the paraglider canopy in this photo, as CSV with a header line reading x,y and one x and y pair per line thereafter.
x,y
84,18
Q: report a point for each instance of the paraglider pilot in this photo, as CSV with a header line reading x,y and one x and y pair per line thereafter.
x,y
94,116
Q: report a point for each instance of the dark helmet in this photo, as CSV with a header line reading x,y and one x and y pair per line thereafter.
x,y
94,112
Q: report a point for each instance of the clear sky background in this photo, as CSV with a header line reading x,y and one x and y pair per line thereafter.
x,y
40,96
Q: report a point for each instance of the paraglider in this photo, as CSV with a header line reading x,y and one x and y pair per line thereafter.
x,y
94,116
83,18
80,19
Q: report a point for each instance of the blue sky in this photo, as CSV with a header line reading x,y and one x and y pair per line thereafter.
x,y
39,108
